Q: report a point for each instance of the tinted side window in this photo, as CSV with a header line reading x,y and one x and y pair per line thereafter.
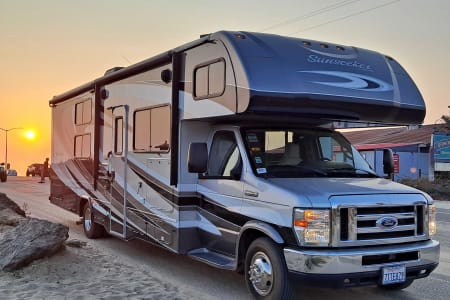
x,y
151,130
82,146
224,157
209,80
118,135
83,112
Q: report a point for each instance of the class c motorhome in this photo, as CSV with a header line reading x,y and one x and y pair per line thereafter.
x,y
225,150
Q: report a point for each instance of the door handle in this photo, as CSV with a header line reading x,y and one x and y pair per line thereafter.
x,y
251,193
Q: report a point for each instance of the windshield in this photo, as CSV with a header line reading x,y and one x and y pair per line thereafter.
x,y
292,153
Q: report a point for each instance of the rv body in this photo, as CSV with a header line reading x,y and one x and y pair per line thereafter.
x,y
224,150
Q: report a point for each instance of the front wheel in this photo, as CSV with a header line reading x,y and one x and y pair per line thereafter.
x,y
91,229
266,273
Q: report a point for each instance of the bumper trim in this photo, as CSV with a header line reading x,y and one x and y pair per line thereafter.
x,y
350,260
356,279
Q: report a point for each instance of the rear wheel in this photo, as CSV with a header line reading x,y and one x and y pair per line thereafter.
x,y
396,286
3,177
91,229
266,273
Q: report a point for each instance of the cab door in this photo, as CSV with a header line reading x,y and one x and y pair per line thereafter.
x,y
222,191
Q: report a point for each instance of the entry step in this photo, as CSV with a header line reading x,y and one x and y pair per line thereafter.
x,y
213,258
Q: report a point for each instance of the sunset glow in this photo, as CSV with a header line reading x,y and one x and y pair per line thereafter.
x,y
46,52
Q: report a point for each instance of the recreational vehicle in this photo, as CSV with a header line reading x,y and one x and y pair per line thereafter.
x,y
225,150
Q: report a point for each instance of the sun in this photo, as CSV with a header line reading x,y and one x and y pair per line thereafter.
x,y
30,135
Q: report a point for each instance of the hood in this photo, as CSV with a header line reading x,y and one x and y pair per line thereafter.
x,y
319,190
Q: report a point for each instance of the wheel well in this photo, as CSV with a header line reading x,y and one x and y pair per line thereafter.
x,y
246,239
83,202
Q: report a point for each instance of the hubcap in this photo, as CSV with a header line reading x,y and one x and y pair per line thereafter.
x,y
260,272
87,219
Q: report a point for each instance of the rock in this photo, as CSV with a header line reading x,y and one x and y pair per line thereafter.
x,y
30,240
5,202
75,243
10,217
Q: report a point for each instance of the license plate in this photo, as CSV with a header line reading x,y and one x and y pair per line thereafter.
x,y
393,274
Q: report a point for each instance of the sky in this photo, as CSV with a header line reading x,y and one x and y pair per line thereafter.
x,y
48,47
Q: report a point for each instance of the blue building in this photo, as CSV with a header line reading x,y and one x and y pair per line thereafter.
x,y
411,147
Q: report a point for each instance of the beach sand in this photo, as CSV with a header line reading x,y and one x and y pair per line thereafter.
x,y
85,273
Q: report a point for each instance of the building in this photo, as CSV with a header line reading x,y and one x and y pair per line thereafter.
x,y
411,147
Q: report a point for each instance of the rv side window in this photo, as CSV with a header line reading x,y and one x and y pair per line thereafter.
x,y
209,80
224,158
82,146
118,135
151,130
83,112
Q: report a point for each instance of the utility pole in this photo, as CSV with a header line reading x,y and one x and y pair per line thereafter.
x,y
6,143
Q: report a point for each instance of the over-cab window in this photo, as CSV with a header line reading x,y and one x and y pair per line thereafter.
x,y
151,130
209,80
82,146
83,111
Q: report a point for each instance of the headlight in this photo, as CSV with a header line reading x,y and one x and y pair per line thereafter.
x,y
312,226
432,226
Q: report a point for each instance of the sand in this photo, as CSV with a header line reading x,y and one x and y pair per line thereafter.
x,y
85,273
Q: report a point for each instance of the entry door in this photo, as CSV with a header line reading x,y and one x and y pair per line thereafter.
x,y
118,166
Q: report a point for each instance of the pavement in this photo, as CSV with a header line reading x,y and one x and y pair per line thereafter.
x,y
442,204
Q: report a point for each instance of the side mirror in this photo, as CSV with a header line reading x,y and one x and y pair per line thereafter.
x,y
388,161
197,158
163,147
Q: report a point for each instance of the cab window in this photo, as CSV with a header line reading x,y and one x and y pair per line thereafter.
x,y
224,157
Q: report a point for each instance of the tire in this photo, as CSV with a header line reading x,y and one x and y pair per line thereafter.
x,y
3,177
396,286
28,173
266,274
91,229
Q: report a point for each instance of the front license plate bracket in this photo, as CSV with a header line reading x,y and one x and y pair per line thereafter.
x,y
393,274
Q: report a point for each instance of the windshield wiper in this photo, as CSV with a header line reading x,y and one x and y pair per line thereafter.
x,y
354,170
315,170
292,171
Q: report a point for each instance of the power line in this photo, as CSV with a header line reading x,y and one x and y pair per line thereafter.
x,y
311,14
345,17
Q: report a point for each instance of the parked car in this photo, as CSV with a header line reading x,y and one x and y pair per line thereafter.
x,y
11,172
34,169
3,174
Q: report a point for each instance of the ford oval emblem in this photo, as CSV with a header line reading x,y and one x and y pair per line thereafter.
x,y
387,222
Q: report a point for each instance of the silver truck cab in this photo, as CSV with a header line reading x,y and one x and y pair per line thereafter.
x,y
348,227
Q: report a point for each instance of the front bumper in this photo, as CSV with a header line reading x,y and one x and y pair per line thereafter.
x,y
361,266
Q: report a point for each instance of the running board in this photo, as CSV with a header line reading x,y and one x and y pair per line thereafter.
x,y
212,258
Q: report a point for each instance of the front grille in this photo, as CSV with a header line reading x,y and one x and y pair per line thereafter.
x,y
368,260
381,223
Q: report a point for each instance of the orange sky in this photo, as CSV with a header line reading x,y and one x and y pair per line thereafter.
x,y
50,46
